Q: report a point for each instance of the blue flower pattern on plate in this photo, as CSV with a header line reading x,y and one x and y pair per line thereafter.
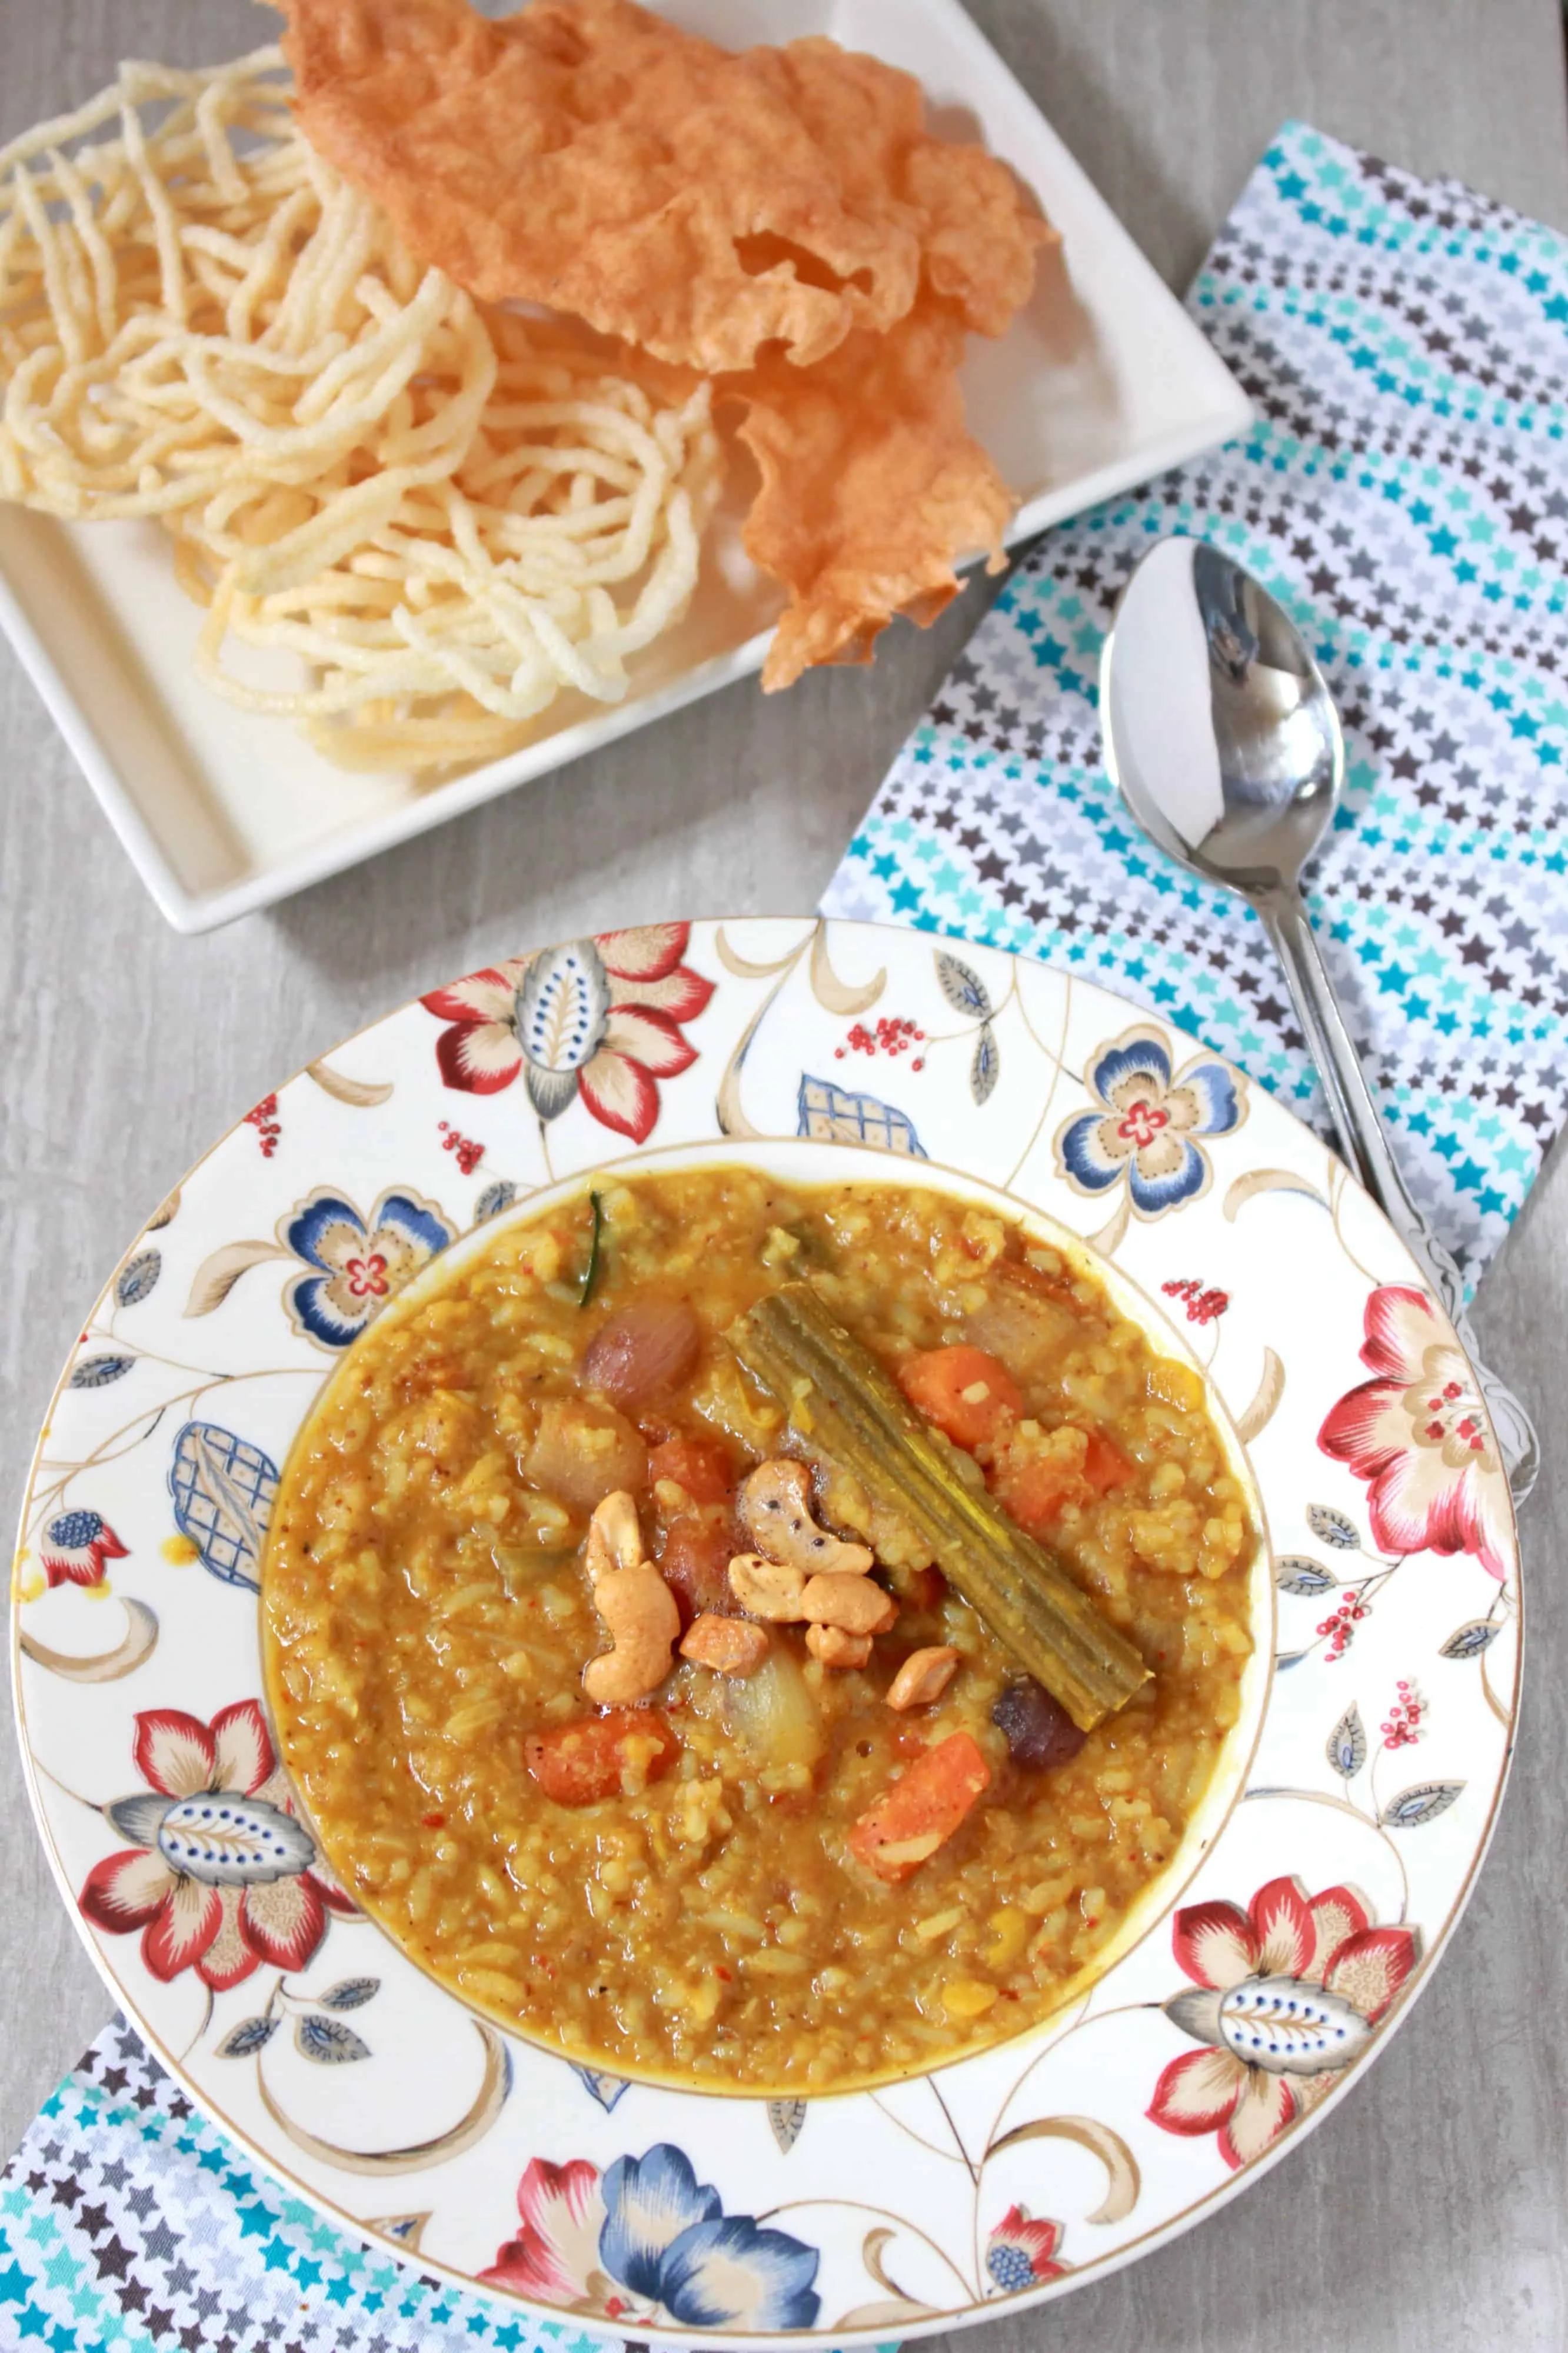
x,y
648,2239
356,1263
1146,1127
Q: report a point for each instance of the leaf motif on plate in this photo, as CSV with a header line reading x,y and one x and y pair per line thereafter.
x,y
986,1067
224,1489
1109,1234
1332,1526
600,2086
349,1993
1298,1572
167,1210
327,2042
407,2228
840,996
1469,1642
786,2117
239,1843
216,1276
138,1642
744,968
1123,2181
252,2035
363,1093
494,1199
137,1277
1423,1803
889,2313
1283,1658
962,985
872,2254
1268,1180
830,1114
97,1372
1346,1746
1265,1397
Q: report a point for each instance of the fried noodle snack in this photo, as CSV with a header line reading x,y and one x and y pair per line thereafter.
x,y
448,513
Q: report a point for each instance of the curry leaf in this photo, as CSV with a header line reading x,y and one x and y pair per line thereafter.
x,y
591,1272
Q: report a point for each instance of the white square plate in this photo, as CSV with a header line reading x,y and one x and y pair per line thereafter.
x,y
223,812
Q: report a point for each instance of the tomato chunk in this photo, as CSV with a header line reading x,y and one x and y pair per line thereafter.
x,y
579,1763
1104,1465
921,1810
704,1471
695,1565
967,1393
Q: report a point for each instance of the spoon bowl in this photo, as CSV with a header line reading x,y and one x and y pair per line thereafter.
x,y
1220,731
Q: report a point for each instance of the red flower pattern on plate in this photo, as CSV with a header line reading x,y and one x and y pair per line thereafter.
x,y
1419,1433
1284,1996
1021,2251
600,1017
221,1876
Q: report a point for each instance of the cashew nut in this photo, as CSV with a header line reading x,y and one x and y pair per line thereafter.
x,y
775,1510
615,1537
730,1646
854,1603
835,1648
768,1588
924,1676
636,1606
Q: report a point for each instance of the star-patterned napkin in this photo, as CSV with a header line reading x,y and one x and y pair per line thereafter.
x,y
128,2222
1404,495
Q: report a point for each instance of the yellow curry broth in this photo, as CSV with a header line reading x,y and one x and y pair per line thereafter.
x,y
426,1610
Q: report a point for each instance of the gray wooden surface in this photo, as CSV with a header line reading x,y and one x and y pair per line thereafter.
x,y
1428,2213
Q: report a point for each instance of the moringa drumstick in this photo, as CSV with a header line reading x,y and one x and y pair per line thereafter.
x,y
842,1404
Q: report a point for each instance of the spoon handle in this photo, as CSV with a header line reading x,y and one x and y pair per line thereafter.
x,y
1365,1146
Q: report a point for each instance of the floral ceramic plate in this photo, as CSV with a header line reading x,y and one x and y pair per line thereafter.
x,y
1361,1793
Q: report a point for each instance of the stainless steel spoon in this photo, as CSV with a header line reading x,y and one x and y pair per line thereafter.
x,y
1222,739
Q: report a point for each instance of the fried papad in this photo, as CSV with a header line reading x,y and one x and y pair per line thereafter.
x,y
588,154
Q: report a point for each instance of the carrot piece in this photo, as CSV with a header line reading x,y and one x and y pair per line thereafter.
x,y
579,1763
1037,1493
705,1472
1104,1465
967,1393
921,1810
